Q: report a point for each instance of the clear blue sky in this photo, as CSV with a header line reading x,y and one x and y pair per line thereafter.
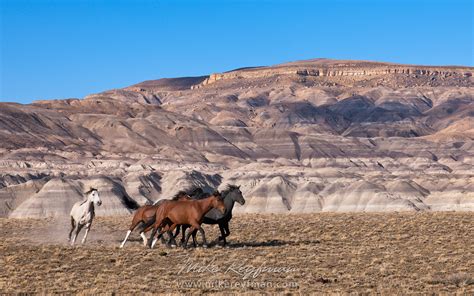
x,y
71,48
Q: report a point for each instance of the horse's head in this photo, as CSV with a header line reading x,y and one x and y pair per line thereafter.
x,y
217,201
93,196
237,195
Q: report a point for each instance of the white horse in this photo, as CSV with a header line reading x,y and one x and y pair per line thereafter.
x,y
82,214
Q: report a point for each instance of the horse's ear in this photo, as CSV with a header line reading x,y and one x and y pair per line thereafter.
x,y
91,189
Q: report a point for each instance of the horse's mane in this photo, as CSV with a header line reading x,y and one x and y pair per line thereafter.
x,y
196,192
228,189
90,190
218,194
177,195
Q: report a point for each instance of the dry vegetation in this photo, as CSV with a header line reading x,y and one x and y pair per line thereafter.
x,y
384,253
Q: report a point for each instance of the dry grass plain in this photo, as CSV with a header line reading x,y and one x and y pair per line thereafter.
x,y
398,253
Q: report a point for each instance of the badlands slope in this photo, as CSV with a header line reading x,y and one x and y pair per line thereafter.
x,y
308,136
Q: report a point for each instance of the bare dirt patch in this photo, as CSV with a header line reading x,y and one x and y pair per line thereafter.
x,y
384,253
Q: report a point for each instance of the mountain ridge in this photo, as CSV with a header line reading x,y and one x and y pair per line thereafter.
x,y
296,141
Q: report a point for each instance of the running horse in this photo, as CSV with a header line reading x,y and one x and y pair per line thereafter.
x,y
184,212
145,216
230,196
82,214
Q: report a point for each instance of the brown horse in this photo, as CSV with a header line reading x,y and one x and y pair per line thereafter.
x,y
185,212
145,216
230,196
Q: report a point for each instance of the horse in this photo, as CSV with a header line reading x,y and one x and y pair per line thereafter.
x,y
190,212
145,216
82,214
193,193
230,195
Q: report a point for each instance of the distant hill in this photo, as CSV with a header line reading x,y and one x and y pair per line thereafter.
x,y
304,136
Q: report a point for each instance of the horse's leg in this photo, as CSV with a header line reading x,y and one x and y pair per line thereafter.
x,y
171,241
160,234
78,229
183,238
185,243
225,232
158,227
194,238
222,237
161,231
152,240
204,242
177,231
145,240
163,241
135,223
88,226
226,227
144,228
73,225
126,238
151,243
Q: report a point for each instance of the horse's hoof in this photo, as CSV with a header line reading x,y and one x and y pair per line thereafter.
x,y
205,246
220,238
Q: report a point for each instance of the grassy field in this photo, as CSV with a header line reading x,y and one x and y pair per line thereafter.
x,y
374,253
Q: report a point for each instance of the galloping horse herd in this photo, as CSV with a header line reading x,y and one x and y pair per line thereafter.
x,y
184,212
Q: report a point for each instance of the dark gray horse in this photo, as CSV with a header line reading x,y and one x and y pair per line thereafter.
x,y
230,195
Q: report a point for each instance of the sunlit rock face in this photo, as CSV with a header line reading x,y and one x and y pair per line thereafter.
x,y
310,136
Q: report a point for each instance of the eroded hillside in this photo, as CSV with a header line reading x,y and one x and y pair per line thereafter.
x,y
318,135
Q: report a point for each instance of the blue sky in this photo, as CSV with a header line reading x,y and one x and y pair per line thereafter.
x,y
71,48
